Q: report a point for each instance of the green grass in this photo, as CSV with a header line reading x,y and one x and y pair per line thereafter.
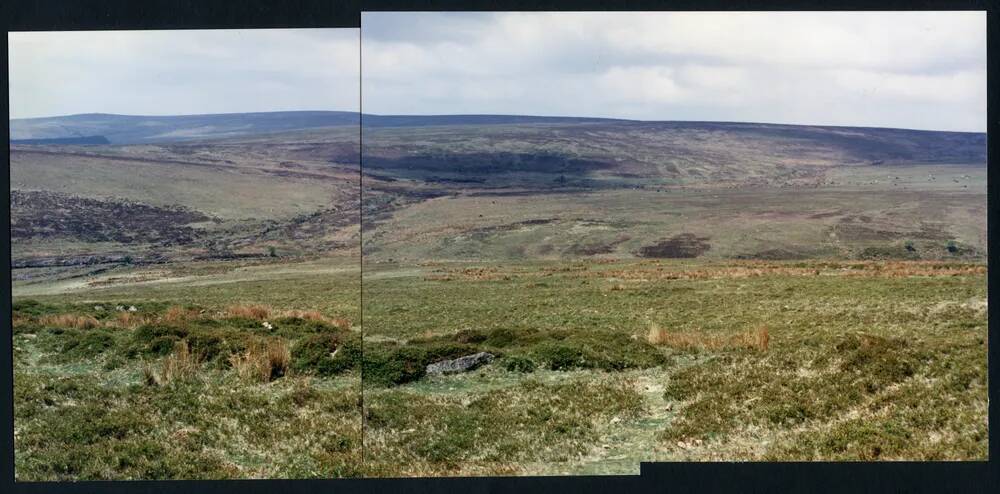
x,y
94,403
866,361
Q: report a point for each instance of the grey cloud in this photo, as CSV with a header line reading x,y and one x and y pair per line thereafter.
x,y
890,69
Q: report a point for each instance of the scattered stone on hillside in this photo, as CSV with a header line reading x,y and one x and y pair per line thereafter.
x,y
461,364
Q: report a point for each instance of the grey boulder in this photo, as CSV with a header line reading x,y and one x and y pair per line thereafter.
x,y
461,364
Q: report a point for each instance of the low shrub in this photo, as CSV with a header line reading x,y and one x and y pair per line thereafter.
x,y
154,339
31,307
326,354
605,351
389,365
519,364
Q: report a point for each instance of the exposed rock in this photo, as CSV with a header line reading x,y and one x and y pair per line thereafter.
x,y
461,364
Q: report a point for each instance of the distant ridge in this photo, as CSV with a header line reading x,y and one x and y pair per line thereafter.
x,y
372,120
139,129
91,140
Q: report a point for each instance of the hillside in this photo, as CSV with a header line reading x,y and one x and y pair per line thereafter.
x,y
291,193
544,190
479,187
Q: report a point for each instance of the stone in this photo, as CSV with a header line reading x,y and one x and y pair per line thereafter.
x,y
461,364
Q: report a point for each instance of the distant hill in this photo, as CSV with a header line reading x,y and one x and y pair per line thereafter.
x,y
137,129
84,140
370,120
134,129
499,151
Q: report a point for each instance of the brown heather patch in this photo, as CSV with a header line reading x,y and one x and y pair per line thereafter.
x,y
752,269
488,273
71,321
130,320
757,339
341,322
256,311
437,277
21,320
177,315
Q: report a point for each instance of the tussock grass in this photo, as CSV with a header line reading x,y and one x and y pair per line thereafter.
x,y
176,314
130,320
262,361
180,365
758,339
254,311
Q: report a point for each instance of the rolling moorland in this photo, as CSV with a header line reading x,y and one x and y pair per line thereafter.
x,y
650,290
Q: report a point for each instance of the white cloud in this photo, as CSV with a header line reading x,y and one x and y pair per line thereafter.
x,y
183,72
894,69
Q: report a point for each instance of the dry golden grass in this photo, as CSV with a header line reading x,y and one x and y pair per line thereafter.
x,y
21,320
178,315
341,322
256,311
263,361
753,269
181,364
758,339
130,320
71,321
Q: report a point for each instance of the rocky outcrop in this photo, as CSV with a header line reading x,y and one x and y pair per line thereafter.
x,y
461,364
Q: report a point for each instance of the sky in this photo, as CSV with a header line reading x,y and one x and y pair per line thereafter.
x,y
183,72
917,70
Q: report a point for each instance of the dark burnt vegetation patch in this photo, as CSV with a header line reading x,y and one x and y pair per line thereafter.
x,y
487,231
684,245
596,247
485,163
861,228
37,214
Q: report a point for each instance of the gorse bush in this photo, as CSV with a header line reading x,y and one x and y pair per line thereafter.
x,y
519,364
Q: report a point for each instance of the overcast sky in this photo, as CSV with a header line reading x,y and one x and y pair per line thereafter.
x,y
183,72
922,70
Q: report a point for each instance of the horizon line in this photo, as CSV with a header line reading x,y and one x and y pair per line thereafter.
x,y
430,115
